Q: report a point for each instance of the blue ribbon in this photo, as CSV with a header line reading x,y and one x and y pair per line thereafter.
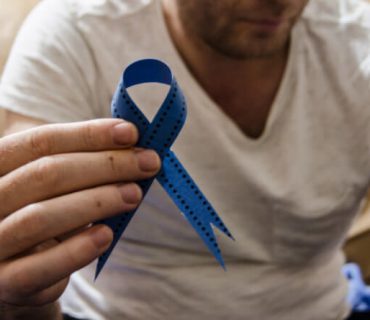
x,y
160,135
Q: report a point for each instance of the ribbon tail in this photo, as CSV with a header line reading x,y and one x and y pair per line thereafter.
x,y
118,225
205,231
192,203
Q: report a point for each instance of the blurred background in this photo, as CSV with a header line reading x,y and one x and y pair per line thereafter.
x,y
13,12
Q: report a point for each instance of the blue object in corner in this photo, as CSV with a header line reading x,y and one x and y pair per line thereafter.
x,y
358,296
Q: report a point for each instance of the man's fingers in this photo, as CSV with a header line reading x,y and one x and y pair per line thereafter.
x,y
58,216
95,135
55,175
46,296
34,273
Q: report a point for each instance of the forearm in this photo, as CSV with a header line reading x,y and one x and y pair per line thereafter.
x,y
48,312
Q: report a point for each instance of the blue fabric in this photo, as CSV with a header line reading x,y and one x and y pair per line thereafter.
x,y
159,135
358,292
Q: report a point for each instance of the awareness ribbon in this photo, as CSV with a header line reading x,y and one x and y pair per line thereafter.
x,y
159,135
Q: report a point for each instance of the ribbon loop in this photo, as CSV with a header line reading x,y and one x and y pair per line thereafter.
x,y
159,135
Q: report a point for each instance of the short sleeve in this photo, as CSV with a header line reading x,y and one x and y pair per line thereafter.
x,y
50,73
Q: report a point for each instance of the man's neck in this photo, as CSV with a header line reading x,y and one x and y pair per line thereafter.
x,y
231,83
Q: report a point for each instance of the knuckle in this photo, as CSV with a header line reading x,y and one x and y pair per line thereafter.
x,y
41,142
21,231
77,257
132,161
123,164
71,257
47,297
31,222
90,137
45,171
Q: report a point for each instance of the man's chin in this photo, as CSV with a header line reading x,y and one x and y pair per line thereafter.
x,y
250,51
239,43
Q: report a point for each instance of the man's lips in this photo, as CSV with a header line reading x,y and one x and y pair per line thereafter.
x,y
264,22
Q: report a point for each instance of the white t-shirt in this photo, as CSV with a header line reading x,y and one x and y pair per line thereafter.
x,y
288,197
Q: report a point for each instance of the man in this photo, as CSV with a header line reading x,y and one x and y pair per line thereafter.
x,y
277,137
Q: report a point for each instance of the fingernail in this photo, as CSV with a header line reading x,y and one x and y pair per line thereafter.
x,y
102,236
148,160
131,193
124,133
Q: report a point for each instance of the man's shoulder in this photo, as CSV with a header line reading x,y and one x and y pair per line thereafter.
x,y
340,16
334,58
339,33
105,8
82,9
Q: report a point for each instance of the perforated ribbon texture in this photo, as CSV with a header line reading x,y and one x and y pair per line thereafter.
x,y
159,135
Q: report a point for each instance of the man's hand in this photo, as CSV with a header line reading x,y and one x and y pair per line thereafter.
x,y
55,180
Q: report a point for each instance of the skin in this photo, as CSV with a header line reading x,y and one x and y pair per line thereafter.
x,y
232,38
70,175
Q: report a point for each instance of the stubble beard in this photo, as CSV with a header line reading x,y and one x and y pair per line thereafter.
x,y
242,46
235,39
